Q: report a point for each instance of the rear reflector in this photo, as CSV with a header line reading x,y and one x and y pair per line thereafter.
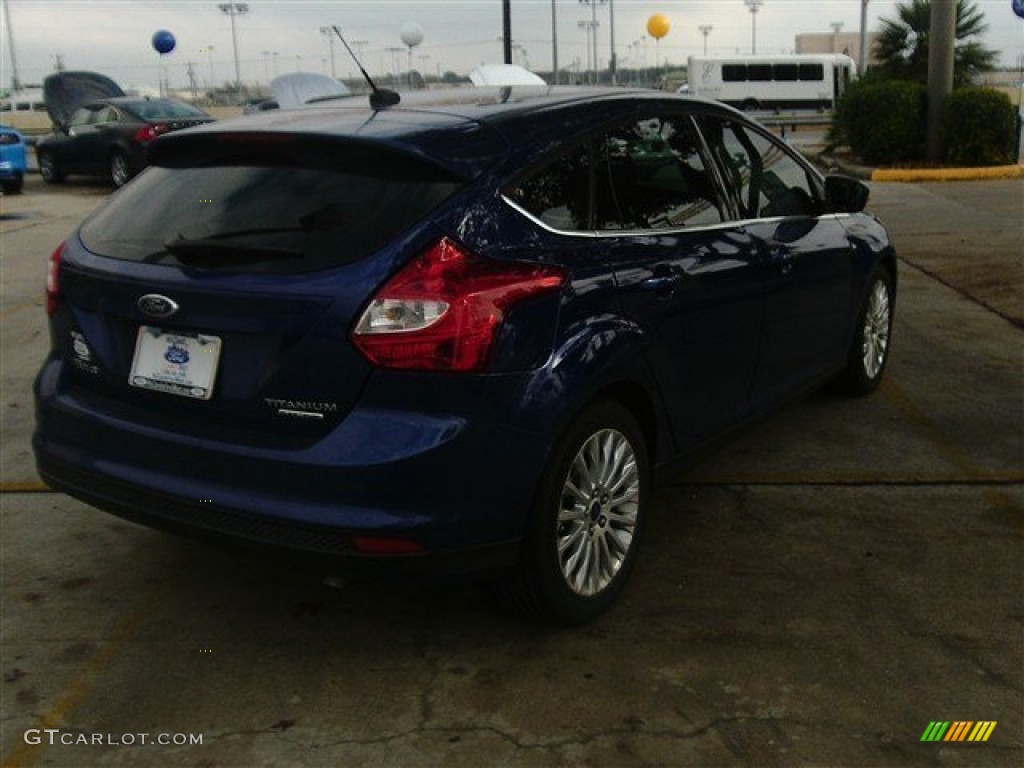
x,y
442,311
386,545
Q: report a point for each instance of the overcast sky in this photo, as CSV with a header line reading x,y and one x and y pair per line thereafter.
x,y
279,36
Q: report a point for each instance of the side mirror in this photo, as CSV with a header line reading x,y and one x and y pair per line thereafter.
x,y
845,195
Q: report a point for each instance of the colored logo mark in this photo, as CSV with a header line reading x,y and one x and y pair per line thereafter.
x,y
958,730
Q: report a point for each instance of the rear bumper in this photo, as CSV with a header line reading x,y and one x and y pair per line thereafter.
x,y
459,487
200,520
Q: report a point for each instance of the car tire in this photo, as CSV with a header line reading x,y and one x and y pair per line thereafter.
x,y
48,168
120,171
872,337
14,185
586,521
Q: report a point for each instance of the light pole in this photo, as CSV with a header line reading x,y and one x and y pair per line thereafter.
x,y
863,63
554,44
330,42
15,80
592,25
209,58
705,29
837,27
590,30
266,66
753,6
232,10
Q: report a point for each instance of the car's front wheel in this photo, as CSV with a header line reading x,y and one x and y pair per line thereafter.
x,y
869,350
48,168
585,525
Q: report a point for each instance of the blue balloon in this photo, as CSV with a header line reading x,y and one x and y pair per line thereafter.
x,y
1018,7
163,41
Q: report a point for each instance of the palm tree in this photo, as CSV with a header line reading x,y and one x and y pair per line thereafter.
x,y
902,46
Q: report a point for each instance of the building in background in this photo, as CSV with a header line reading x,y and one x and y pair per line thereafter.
x,y
837,42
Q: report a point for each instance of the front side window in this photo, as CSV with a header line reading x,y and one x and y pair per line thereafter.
x,y
649,174
766,180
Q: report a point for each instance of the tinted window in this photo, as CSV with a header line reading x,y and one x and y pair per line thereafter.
x,y
558,194
162,110
786,72
734,73
766,179
759,72
266,217
812,71
650,175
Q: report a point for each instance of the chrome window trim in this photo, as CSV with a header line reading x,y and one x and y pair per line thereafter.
x,y
737,224
614,232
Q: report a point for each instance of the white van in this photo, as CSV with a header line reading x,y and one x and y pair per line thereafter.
x,y
793,81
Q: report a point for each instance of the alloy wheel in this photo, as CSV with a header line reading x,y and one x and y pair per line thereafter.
x,y
876,330
597,517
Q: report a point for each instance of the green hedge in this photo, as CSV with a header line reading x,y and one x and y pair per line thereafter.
x,y
882,121
979,127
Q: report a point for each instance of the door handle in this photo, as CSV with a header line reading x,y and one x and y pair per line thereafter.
x,y
662,284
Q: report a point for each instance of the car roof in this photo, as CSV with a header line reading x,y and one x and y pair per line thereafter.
x,y
465,130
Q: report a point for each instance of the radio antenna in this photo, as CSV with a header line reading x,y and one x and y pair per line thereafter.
x,y
379,97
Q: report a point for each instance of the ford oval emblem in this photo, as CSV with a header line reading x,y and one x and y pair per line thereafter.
x,y
156,306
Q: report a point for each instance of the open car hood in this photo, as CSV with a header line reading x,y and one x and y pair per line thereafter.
x,y
64,92
298,88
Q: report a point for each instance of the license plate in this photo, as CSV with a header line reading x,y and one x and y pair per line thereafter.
x,y
178,363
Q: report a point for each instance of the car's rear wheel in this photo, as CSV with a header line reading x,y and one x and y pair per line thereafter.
x,y
585,524
869,349
49,170
120,172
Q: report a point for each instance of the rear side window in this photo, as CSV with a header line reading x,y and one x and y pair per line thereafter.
x,y
559,194
643,175
262,212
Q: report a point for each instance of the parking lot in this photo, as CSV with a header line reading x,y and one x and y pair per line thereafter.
x,y
817,593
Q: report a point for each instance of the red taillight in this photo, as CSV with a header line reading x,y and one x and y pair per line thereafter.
x,y
441,312
53,279
150,132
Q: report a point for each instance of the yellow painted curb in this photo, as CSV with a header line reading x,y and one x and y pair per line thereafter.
x,y
948,174
30,486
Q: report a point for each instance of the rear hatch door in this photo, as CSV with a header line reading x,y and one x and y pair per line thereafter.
x,y
65,92
218,295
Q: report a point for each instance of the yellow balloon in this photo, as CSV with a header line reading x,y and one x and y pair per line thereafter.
x,y
658,26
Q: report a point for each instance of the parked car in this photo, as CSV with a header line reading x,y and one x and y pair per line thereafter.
x,y
12,160
467,332
98,131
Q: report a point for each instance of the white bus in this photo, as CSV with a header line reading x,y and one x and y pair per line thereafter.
x,y
794,81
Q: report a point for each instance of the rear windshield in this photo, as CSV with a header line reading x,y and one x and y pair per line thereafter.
x,y
163,110
260,215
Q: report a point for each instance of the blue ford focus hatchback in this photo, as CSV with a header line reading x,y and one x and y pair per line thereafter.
x,y
466,331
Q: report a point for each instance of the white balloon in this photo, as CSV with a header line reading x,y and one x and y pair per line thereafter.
x,y
411,34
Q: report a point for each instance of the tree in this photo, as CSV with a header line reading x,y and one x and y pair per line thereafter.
x,y
902,46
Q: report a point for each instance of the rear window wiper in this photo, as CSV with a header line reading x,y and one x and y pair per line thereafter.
x,y
224,248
